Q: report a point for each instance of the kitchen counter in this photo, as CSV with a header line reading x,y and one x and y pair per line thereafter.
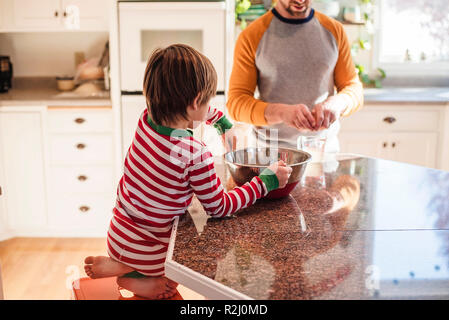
x,y
432,95
43,92
378,230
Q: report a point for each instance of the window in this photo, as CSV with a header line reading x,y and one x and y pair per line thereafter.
x,y
414,37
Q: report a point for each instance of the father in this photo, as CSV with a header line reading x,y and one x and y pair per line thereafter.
x,y
296,57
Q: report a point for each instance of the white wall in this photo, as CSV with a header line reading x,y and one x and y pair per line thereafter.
x,y
49,53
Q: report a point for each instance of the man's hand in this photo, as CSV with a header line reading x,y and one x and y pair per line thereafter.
x,y
297,116
327,112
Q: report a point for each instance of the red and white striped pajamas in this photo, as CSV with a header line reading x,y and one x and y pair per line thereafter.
x,y
163,169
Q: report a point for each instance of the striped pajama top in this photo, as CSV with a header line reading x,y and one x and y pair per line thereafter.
x,y
163,168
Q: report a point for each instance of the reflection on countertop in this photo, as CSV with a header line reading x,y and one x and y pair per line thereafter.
x,y
32,91
377,230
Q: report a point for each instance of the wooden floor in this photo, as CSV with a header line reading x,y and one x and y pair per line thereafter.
x,y
43,268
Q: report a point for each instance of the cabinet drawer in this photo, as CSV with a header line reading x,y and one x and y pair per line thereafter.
x,y
81,179
391,120
80,210
96,120
81,149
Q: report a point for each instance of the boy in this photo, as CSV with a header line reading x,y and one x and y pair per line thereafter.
x,y
164,166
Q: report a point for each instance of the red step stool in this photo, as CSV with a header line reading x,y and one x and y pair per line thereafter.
x,y
104,289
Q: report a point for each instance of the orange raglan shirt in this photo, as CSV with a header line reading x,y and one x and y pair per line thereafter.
x,y
291,61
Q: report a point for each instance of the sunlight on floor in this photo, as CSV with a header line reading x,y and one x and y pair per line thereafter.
x,y
44,268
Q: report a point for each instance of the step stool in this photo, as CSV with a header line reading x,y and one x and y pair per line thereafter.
x,y
105,289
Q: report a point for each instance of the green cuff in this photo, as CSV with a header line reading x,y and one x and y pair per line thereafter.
x,y
134,274
270,179
222,125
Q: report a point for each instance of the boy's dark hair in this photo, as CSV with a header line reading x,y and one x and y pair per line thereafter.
x,y
174,76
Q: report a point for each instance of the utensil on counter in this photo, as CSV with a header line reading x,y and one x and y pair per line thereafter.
x,y
247,163
65,83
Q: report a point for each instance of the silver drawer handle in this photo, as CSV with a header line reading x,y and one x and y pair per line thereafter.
x,y
80,146
80,120
84,208
82,178
390,119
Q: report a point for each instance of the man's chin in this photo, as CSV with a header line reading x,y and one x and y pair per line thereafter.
x,y
296,11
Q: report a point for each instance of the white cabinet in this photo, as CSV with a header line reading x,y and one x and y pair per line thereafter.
x,y
396,132
52,187
3,219
132,108
24,186
93,15
31,13
410,147
80,171
364,143
55,15
415,148
145,26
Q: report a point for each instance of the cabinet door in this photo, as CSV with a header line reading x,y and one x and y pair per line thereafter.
x,y
3,221
42,14
414,148
86,14
22,155
145,26
367,144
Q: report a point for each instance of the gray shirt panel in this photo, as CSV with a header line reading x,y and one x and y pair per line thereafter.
x,y
295,64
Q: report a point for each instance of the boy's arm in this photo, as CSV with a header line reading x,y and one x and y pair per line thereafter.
x,y
224,128
210,192
217,118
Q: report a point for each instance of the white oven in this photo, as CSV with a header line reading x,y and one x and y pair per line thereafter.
x,y
145,26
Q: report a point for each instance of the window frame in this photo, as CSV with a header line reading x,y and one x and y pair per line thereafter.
x,y
431,69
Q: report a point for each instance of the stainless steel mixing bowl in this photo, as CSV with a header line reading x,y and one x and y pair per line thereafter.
x,y
247,163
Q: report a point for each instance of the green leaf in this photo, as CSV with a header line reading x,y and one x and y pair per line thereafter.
x,y
364,44
243,24
382,72
365,78
377,83
242,6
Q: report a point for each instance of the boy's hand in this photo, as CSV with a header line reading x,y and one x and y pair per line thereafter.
x,y
282,172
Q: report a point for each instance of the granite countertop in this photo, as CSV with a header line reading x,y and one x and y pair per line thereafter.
x,y
407,95
44,92
378,230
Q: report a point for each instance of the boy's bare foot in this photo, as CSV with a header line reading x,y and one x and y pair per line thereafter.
x,y
150,287
102,267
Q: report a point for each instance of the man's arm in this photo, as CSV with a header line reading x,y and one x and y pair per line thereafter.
x,y
242,105
347,82
349,97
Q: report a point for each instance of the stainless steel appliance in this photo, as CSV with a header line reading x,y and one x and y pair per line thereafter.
x,y
5,74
